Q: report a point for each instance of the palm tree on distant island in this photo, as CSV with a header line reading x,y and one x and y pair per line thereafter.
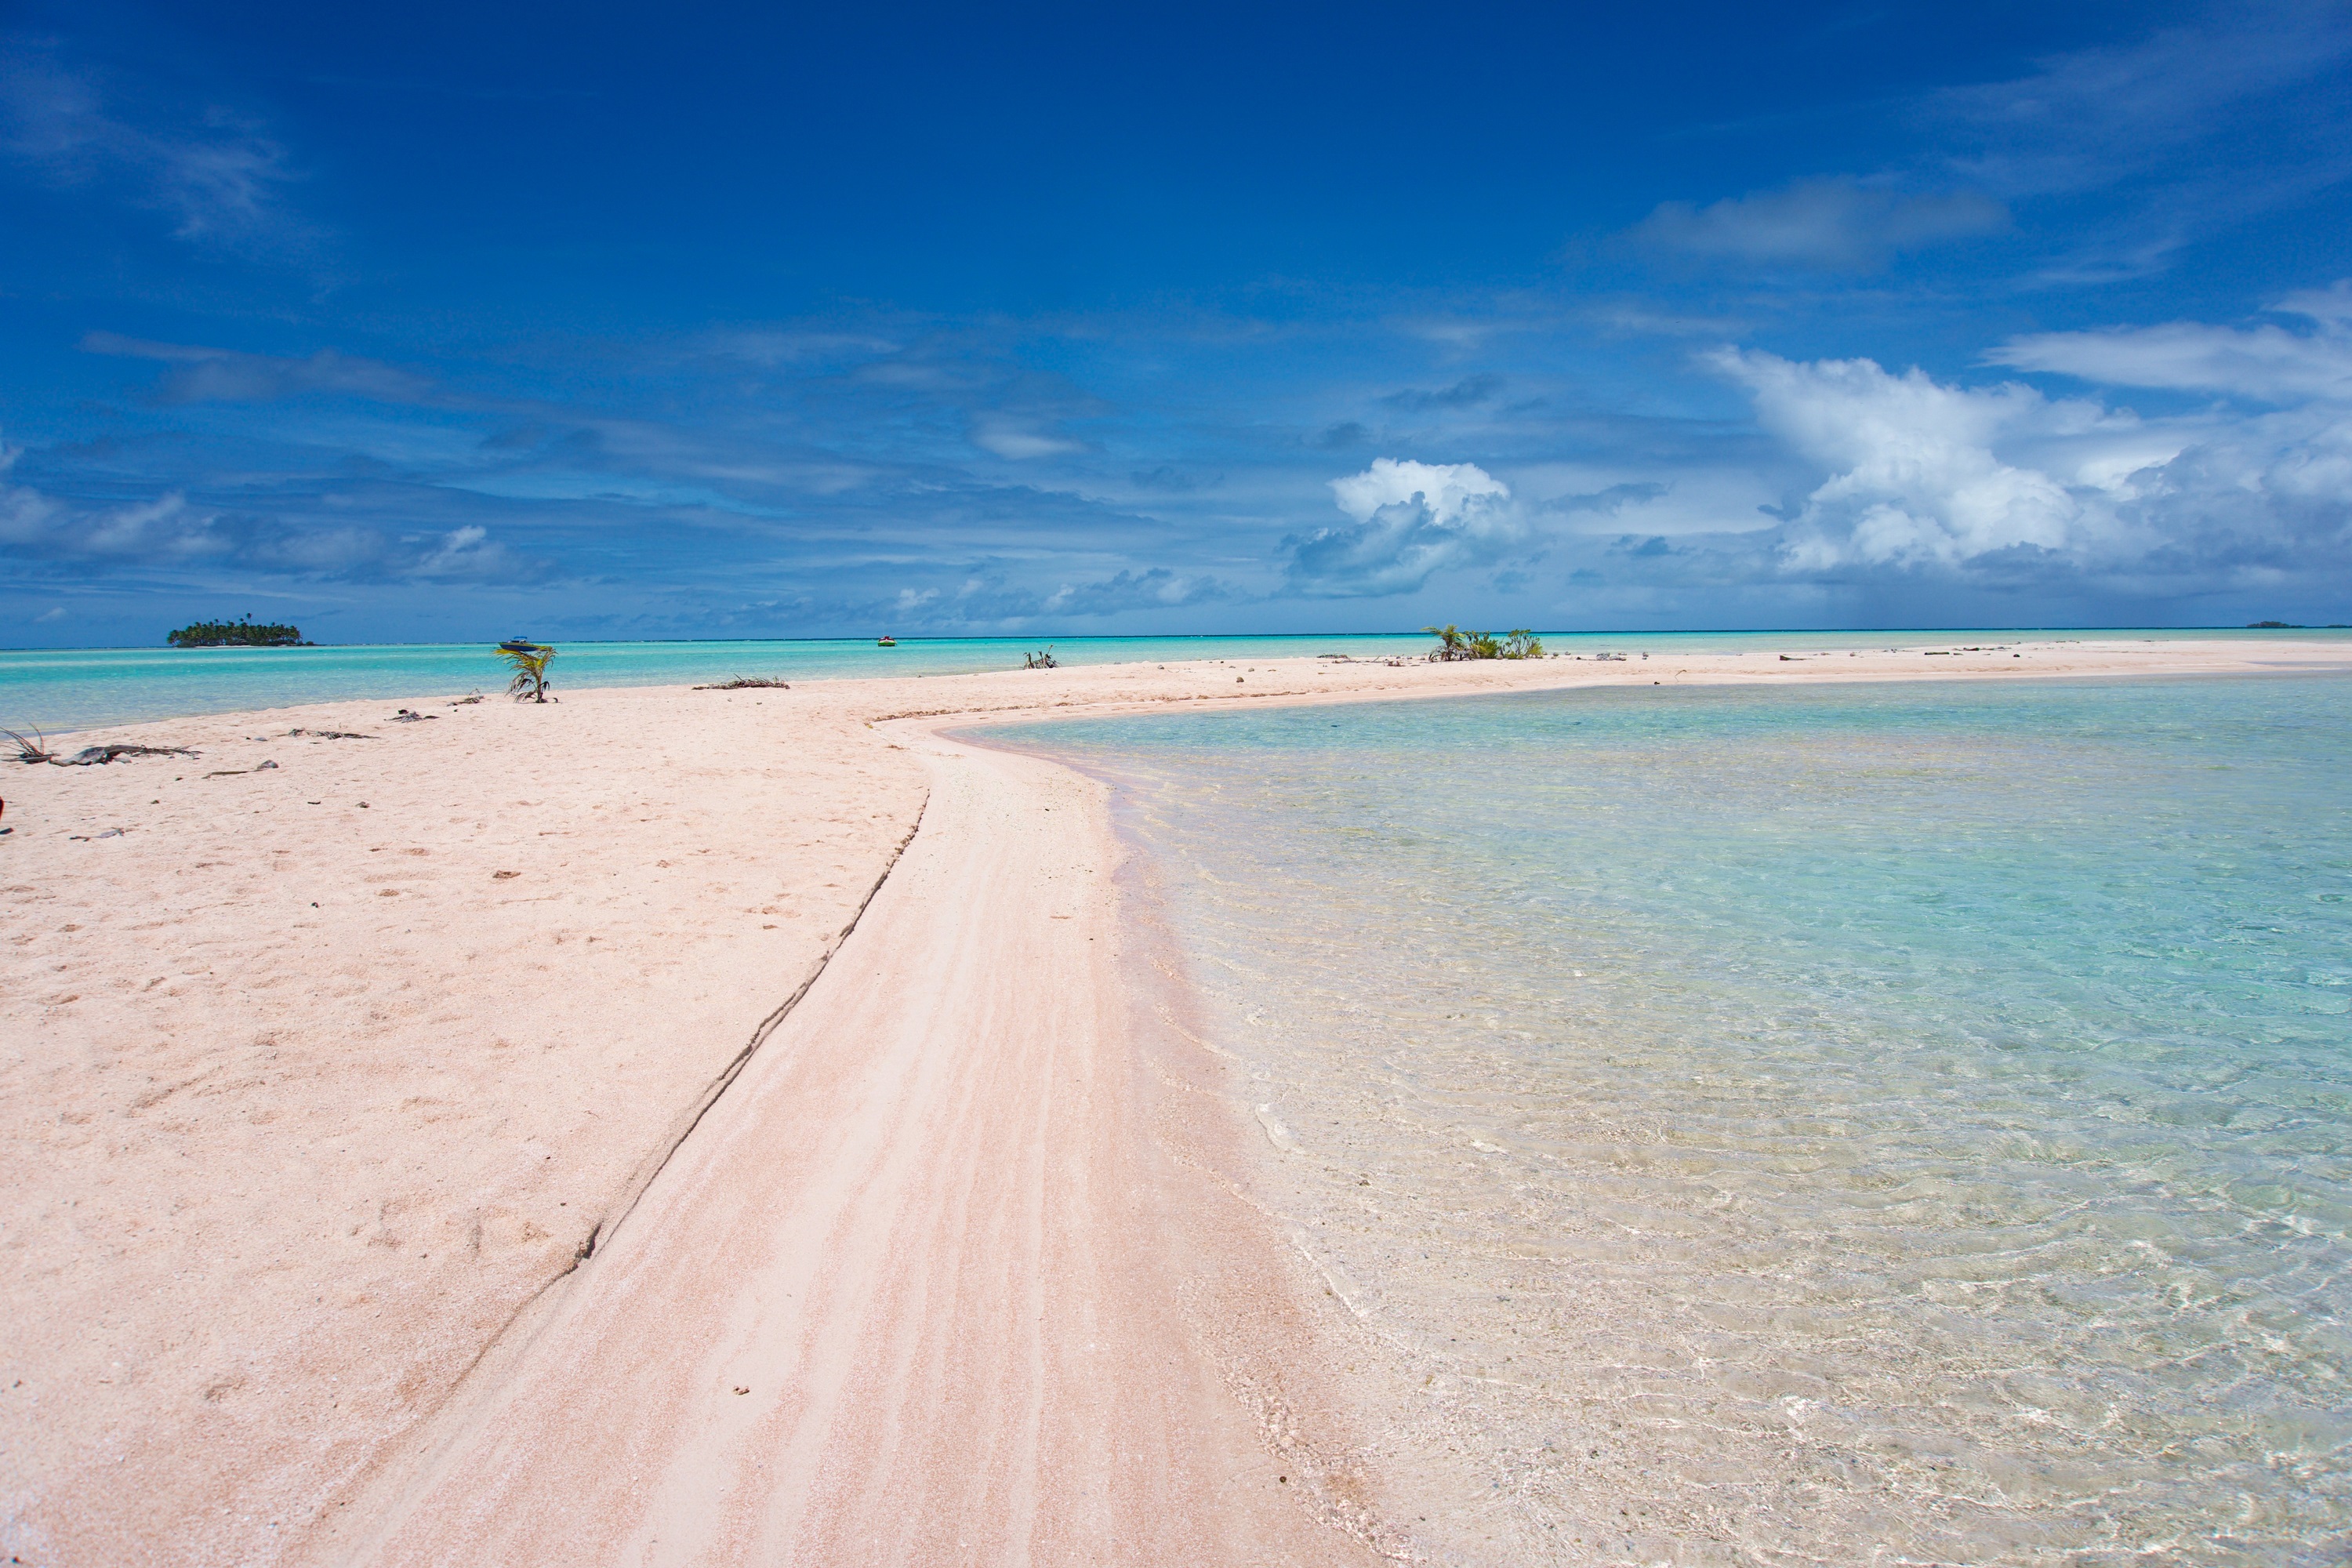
x,y
242,632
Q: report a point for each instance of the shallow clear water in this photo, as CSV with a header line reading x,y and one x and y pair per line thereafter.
x,y
59,689
1893,1123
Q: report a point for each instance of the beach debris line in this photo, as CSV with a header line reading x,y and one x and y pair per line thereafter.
x,y
748,682
239,633
529,660
1038,661
1455,644
37,751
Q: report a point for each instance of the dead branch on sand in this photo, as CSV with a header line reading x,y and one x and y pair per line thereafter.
x,y
37,751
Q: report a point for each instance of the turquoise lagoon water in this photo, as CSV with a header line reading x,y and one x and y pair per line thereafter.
x,y
1888,1123
59,689
70,688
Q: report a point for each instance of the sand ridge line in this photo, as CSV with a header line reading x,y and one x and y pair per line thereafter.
x,y
651,1169
422,1446
904,1296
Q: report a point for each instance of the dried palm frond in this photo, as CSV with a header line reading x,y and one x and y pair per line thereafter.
x,y
36,750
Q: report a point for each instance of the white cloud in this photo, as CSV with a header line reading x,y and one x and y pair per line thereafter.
x,y
1915,480
1017,439
1412,520
2084,119
225,375
1156,589
162,528
1830,223
1926,476
2267,364
220,177
1449,490
169,531
464,551
2240,114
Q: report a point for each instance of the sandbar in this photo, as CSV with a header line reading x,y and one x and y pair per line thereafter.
x,y
414,1146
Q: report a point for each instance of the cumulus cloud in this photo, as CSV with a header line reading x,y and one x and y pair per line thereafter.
x,y
1915,480
1409,520
2266,364
2001,483
222,375
1838,224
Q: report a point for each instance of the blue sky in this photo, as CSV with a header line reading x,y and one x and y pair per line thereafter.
x,y
592,321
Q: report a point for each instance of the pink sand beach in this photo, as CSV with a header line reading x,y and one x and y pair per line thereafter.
x,y
669,1126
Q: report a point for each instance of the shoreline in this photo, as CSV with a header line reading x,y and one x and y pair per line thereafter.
x,y
67,692
174,1385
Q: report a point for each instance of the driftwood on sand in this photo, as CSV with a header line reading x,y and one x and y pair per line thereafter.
x,y
743,681
37,750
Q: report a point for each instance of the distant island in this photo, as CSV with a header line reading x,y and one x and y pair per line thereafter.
x,y
241,633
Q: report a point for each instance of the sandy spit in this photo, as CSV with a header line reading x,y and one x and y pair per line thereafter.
x,y
370,1194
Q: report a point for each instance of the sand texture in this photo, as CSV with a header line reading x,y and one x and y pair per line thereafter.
x,y
370,1193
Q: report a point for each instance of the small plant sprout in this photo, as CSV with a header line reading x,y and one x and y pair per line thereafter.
x,y
530,665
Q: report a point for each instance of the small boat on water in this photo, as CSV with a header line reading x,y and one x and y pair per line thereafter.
x,y
518,645
885,642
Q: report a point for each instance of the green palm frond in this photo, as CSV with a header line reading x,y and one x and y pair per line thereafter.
x,y
530,667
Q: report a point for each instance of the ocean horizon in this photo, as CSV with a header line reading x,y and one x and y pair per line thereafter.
x,y
58,691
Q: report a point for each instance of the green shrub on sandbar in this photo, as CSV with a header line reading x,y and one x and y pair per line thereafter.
x,y
1454,643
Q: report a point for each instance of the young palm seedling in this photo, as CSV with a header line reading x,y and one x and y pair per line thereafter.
x,y
529,661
